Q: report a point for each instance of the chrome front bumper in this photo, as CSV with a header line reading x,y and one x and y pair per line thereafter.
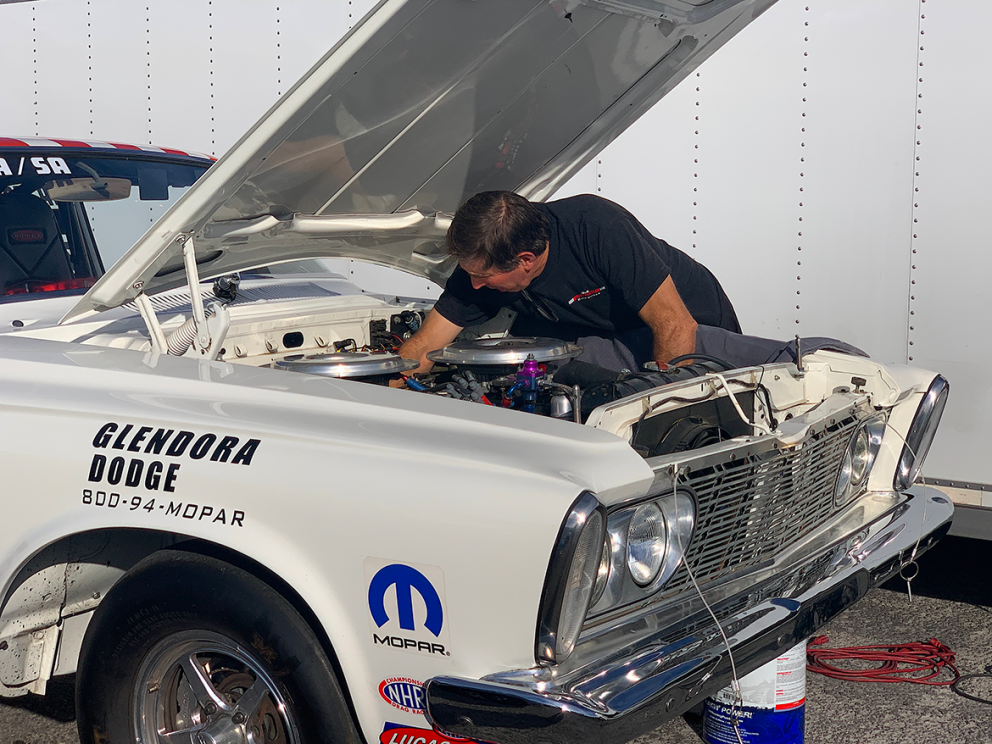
x,y
649,669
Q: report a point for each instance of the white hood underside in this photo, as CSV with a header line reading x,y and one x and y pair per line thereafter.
x,y
422,105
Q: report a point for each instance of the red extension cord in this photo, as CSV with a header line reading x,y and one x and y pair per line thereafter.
x,y
924,661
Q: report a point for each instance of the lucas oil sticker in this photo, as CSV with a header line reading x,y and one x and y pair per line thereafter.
x,y
407,607
396,733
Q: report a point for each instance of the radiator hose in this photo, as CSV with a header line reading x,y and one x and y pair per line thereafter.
x,y
600,385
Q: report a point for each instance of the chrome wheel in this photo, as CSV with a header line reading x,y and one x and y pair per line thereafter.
x,y
200,687
189,649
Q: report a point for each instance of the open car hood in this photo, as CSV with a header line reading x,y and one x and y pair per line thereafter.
x,y
420,106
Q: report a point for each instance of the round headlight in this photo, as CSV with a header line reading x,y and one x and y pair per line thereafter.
x,y
647,540
860,457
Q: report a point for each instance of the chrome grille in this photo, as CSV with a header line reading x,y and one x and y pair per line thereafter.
x,y
748,509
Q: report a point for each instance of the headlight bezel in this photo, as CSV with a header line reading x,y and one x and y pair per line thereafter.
x,y
620,590
868,436
603,572
573,557
921,433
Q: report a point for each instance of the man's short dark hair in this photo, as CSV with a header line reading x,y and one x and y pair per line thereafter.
x,y
495,227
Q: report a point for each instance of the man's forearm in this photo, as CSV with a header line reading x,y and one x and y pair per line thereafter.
x,y
672,325
674,341
436,332
417,348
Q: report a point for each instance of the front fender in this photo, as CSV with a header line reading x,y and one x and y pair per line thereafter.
x,y
341,480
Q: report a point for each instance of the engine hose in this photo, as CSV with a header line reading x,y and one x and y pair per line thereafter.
x,y
508,395
639,382
415,385
181,339
702,358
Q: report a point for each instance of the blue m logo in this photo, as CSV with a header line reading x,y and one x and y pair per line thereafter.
x,y
406,580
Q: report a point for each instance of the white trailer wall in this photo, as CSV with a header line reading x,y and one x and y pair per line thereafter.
x,y
829,164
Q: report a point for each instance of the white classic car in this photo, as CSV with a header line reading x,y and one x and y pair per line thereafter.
x,y
225,523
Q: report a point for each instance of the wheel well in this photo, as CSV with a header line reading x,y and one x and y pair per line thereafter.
x,y
284,588
50,599
68,578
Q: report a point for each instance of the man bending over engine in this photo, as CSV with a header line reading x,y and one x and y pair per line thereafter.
x,y
581,269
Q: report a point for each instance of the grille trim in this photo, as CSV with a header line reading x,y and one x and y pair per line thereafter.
x,y
754,500
749,509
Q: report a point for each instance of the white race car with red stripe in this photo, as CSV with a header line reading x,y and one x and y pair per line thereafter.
x,y
70,208
15,142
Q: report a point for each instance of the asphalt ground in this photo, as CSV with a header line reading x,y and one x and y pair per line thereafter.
x,y
952,601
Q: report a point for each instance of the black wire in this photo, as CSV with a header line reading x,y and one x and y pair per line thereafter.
x,y
702,357
768,402
962,678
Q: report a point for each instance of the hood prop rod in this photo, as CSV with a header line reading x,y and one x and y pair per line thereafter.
x,y
196,299
198,321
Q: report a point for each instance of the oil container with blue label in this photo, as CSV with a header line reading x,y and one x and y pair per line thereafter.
x,y
773,705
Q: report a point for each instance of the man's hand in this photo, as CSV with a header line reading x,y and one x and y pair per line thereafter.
x,y
673,327
436,333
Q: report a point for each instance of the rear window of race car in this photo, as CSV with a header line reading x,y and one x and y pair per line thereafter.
x,y
65,217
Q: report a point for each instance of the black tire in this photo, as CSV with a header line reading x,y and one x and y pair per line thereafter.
x,y
177,614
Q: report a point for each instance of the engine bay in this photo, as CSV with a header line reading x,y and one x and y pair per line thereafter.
x,y
328,327
541,376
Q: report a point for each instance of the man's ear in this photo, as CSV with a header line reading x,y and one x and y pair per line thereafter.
x,y
527,259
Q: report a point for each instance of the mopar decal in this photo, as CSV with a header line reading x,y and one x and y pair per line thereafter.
x,y
406,580
407,607
158,475
397,733
403,693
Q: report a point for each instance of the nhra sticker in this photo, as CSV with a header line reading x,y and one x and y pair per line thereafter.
x,y
403,693
407,607
397,733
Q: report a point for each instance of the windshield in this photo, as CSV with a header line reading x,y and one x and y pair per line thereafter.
x,y
66,217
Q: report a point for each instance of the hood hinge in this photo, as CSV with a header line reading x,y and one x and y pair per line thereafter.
x,y
196,328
